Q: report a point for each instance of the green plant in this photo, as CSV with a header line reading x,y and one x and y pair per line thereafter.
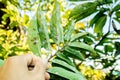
x,y
76,44
105,16
63,64
65,36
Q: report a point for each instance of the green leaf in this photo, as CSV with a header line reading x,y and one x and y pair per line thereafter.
x,y
43,29
69,30
88,40
117,19
117,7
102,2
116,0
13,24
66,65
1,62
117,14
55,27
108,1
83,10
117,53
76,36
96,17
74,53
99,24
108,48
100,51
65,58
66,74
33,37
83,46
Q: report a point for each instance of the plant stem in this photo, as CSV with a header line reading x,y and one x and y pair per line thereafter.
x,y
59,50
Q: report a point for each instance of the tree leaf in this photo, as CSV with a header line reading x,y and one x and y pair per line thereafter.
x,y
117,14
66,65
96,17
99,24
117,19
74,53
69,30
117,7
64,58
33,37
108,48
88,40
83,10
43,29
102,2
55,27
100,51
82,45
76,36
66,74
108,1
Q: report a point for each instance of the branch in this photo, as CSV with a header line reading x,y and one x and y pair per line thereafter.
x,y
59,50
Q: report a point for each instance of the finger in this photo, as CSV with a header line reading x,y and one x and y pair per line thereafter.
x,y
28,58
39,66
44,60
30,61
0,69
48,66
47,76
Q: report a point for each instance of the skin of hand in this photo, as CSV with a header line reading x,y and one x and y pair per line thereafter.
x,y
24,67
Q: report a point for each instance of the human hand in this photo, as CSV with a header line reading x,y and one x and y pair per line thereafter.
x,y
24,67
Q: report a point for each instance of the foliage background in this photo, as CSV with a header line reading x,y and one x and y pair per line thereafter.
x,y
76,36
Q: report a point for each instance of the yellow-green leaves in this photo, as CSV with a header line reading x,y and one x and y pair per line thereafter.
x,y
55,25
83,10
